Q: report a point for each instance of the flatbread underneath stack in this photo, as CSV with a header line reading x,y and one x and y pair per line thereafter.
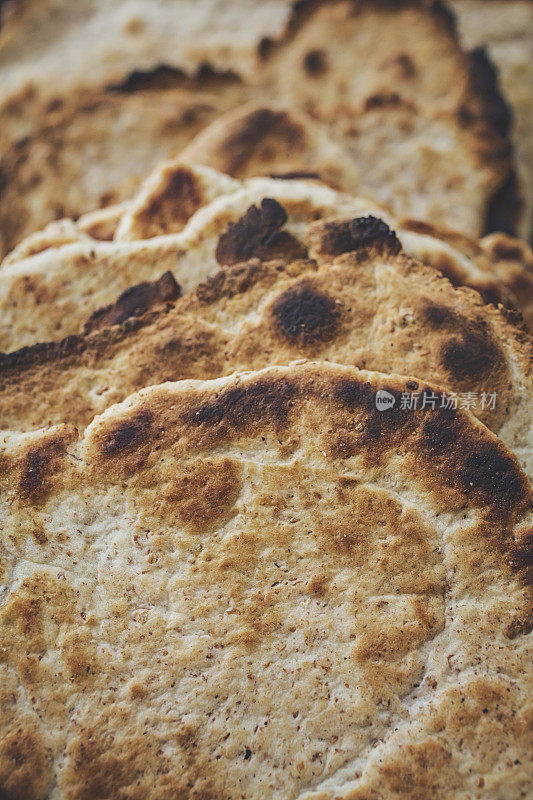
x,y
505,27
387,83
264,586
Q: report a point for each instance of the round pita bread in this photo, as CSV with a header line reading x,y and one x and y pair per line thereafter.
x,y
265,586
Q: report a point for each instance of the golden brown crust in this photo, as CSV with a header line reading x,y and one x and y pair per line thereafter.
x,y
198,614
468,462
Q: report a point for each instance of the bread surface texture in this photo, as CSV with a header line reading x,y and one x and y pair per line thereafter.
x,y
187,604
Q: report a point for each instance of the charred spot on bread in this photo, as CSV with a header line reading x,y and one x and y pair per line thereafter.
x,y
374,232
491,473
242,406
361,233
39,465
383,100
506,248
359,397
522,555
304,314
485,86
294,175
438,315
481,469
505,207
176,200
261,125
440,430
469,357
406,65
134,302
471,352
129,435
315,63
258,234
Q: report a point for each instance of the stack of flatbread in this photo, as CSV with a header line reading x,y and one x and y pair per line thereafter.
x,y
266,394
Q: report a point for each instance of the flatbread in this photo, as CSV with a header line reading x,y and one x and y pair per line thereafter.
x,y
93,151
101,224
56,48
513,261
406,61
263,586
372,306
364,159
382,95
51,294
499,266
506,28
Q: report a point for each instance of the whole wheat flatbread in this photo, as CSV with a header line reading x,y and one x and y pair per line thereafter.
x,y
389,84
263,586
366,303
48,289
